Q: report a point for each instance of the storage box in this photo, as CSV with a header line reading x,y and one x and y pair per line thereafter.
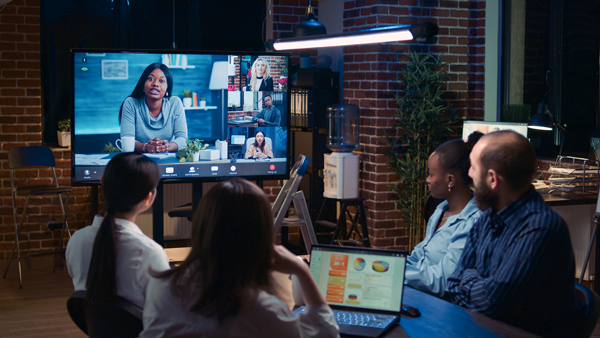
x,y
222,147
210,154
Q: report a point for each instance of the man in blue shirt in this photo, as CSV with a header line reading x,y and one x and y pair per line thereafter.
x,y
517,265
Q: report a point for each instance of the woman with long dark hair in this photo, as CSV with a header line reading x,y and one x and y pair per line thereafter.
x,y
259,149
152,115
223,287
112,256
434,259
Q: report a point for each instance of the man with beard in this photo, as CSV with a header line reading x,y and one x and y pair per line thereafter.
x,y
517,265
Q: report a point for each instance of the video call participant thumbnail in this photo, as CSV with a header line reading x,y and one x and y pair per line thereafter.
x,y
269,116
151,115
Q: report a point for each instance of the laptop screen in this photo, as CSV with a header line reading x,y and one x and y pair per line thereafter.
x,y
359,277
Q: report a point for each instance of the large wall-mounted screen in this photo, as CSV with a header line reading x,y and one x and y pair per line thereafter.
x,y
158,102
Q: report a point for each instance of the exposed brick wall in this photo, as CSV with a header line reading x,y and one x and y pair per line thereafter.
x,y
21,125
286,15
370,81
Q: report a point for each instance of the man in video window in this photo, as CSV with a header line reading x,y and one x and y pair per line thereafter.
x,y
517,265
270,116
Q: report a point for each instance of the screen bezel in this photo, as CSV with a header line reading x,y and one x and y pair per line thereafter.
x,y
289,163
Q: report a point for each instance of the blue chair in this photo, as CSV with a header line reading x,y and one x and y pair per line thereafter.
x,y
590,303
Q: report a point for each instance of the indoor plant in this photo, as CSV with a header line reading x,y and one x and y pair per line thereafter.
x,y
187,98
202,102
191,152
421,124
64,133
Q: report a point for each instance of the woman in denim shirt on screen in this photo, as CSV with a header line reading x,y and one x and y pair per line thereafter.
x,y
435,258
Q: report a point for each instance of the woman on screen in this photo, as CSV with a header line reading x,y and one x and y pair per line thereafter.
x,y
223,288
261,80
259,149
112,256
435,258
151,115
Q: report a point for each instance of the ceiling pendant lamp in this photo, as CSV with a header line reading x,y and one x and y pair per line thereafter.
x,y
310,26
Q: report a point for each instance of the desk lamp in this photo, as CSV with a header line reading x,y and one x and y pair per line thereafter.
x,y
543,120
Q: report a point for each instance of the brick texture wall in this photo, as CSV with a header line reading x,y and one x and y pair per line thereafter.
x,y
21,125
370,81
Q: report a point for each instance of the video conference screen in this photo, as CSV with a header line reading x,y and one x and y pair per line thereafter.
x,y
208,116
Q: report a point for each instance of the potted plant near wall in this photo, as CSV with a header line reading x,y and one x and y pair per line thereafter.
x,y
64,133
191,152
421,124
305,58
187,98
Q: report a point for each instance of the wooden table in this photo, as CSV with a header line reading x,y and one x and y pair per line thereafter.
x,y
439,318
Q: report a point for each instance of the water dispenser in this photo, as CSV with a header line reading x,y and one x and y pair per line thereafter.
x,y
340,174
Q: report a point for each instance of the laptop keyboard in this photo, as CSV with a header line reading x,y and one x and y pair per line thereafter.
x,y
377,321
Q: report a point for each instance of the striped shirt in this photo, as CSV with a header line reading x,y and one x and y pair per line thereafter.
x,y
518,267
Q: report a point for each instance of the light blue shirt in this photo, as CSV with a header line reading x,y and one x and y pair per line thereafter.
x,y
434,259
169,125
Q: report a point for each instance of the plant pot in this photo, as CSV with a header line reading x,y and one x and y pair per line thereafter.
x,y
64,138
196,157
187,102
202,103
305,62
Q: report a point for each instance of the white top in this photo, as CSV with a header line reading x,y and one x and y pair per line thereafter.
x,y
166,316
136,253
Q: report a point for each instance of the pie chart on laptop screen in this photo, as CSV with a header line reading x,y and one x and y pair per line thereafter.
x,y
381,266
359,264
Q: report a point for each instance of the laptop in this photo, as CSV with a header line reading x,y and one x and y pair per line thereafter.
x,y
363,286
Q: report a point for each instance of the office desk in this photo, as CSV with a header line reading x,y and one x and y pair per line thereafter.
x,y
438,317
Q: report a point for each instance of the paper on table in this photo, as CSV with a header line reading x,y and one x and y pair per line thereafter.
x,y
93,159
160,155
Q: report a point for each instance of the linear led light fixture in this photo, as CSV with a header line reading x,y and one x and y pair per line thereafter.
x,y
419,32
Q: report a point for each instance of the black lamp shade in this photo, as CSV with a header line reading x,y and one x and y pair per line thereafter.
x,y
308,27
541,120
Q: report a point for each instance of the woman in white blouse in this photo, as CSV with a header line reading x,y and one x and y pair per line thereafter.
x,y
223,288
112,256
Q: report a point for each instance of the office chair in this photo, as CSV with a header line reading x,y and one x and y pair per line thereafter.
x,y
119,319
590,302
19,157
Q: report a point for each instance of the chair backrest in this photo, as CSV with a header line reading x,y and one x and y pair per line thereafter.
x,y
119,319
29,156
250,141
590,303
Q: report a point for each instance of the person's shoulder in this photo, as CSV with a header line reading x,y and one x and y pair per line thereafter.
x,y
269,304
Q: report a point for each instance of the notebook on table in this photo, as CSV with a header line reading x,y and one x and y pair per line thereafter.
x,y
363,286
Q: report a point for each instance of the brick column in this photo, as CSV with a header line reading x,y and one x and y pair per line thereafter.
x,y
370,81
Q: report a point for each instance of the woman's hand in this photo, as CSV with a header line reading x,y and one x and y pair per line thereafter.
x,y
156,146
286,262
259,154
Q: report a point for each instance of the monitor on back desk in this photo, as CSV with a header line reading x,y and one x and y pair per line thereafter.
x,y
488,127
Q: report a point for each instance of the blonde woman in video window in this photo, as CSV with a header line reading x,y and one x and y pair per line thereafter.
x,y
261,80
